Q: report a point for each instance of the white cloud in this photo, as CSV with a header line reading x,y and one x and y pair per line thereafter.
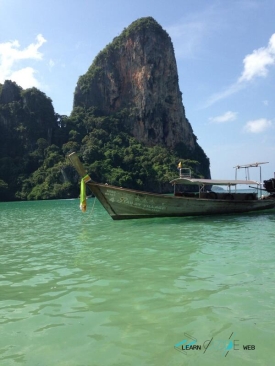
x,y
256,64
258,125
232,89
226,117
10,57
25,78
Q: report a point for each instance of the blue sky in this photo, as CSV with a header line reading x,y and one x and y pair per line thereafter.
x,y
225,52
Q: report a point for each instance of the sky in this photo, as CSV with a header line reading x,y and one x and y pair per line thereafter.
x,y
225,54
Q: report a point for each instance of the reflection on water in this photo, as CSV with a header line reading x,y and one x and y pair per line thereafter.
x,y
81,289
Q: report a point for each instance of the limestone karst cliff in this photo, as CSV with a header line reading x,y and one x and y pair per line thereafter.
x,y
128,124
137,73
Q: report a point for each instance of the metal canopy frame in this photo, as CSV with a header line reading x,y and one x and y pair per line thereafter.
x,y
246,168
185,178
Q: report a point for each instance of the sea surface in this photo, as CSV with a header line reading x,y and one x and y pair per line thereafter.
x,y
79,289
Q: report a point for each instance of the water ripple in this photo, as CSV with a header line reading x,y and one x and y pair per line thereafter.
x,y
85,290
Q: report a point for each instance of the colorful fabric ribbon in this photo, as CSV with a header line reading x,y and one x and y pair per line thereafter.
x,y
83,202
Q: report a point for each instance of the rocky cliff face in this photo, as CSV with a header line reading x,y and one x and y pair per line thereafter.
x,y
29,111
137,73
10,92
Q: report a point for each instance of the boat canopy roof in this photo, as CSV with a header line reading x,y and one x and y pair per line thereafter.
x,y
252,165
217,182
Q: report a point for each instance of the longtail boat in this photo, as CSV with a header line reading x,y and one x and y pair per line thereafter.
x,y
123,203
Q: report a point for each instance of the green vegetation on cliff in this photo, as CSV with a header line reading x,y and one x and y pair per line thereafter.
x,y
34,141
117,104
112,155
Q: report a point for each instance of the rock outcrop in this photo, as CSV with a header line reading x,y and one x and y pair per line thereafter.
x,y
27,112
137,73
10,92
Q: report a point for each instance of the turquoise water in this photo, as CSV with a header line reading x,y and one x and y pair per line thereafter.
x,y
80,289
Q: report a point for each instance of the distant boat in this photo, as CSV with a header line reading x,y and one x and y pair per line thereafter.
x,y
123,203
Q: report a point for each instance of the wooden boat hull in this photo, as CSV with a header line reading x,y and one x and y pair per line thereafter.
x,y
123,204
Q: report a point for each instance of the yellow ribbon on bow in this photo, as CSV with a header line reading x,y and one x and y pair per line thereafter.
x,y
83,202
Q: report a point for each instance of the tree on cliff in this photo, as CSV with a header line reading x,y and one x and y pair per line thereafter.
x,y
29,130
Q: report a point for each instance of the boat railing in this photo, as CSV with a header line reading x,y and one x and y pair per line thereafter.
x,y
185,173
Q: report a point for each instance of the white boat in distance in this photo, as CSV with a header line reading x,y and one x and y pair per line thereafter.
x,y
122,203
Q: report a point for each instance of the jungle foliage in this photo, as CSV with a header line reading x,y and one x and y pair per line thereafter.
x,y
34,142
